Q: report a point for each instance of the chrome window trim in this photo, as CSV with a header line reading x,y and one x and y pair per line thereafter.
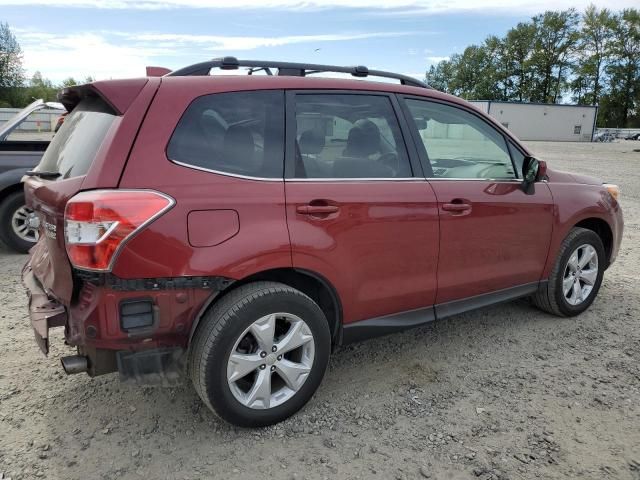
x,y
504,180
357,179
266,179
227,174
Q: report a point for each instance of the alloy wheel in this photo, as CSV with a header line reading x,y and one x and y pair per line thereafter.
x,y
24,225
270,361
580,274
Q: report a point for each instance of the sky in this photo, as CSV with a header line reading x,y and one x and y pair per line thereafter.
x,y
119,38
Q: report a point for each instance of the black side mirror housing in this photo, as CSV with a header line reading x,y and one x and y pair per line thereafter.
x,y
533,170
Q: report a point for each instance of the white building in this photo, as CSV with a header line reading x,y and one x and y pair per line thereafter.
x,y
544,121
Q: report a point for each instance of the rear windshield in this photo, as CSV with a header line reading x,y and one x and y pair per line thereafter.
x,y
74,147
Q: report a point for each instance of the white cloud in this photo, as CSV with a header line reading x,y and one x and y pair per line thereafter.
x,y
215,42
82,54
110,54
389,6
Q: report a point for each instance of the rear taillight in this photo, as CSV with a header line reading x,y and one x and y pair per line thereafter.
x,y
98,223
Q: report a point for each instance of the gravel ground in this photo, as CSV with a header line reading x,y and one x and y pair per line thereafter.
x,y
504,392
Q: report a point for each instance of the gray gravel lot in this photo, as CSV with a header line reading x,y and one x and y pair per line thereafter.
x,y
504,392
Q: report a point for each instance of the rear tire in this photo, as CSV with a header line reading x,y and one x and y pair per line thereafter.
x,y
239,325
576,276
14,231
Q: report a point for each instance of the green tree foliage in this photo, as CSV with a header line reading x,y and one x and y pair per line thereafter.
x,y
11,73
592,53
621,103
15,89
70,82
40,87
593,59
555,38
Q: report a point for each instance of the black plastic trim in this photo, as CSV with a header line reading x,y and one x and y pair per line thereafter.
x,y
151,284
456,307
397,322
290,69
150,316
159,366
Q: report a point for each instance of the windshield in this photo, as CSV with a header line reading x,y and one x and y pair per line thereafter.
x,y
74,147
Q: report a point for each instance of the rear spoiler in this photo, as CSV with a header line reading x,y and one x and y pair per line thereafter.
x,y
118,94
157,71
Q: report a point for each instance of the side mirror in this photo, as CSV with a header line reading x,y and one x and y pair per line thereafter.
x,y
533,170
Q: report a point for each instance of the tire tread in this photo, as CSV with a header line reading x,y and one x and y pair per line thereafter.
x,y
215,321
545,297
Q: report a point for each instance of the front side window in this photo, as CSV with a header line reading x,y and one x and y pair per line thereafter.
x,y
348,136
459,144
240,133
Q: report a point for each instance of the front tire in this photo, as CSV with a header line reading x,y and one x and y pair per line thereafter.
x,y
576,277
259,355
15,230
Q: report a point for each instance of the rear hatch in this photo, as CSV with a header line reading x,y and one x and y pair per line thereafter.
x,y
88,152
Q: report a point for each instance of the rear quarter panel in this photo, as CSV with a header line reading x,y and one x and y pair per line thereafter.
x,y
163,248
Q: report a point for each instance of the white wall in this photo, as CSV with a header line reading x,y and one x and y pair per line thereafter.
x,y
529,121
482,105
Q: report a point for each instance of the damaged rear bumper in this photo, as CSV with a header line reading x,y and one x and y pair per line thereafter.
x,y
44,311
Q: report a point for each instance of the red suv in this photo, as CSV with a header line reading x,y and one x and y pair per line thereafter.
x,y
238,228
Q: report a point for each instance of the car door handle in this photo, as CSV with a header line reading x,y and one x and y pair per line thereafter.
x,y
456,207
316,209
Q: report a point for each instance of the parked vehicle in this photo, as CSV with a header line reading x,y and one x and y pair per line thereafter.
x,y
18,225
605,137
633,136
239,228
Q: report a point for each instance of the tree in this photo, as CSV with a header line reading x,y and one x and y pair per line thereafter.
x,y
477,73
519,44
623,99
592,54
439,76
11,72
40,87
596,57
498,68
555,38
70,82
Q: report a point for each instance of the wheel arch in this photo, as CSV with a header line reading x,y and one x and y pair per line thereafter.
x,y
312,284
601,228
7,190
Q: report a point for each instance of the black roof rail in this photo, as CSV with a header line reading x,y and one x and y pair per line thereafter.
x,y
288,69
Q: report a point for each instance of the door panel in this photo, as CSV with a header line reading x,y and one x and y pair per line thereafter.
x,y
355,213
501,241
492,235
379,249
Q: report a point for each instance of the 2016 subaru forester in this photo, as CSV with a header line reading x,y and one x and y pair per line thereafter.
x,y
237,228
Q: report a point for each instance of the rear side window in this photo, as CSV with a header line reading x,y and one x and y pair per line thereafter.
x,y
240,133
74,147
348,136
